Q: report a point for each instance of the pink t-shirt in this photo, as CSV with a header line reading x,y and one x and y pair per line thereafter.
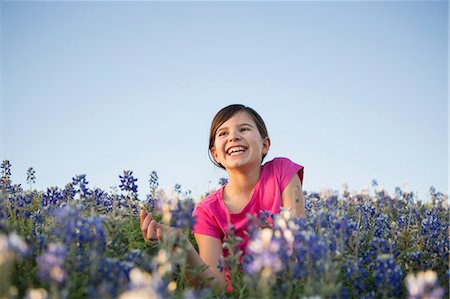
x,y
213,216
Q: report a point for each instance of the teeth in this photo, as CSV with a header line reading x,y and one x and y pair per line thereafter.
x,y
236,150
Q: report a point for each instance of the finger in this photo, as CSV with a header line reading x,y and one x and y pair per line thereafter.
x,y
146,222
142,215
159,234
151,231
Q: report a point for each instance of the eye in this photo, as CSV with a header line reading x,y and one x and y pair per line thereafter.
x,y
244,129
223,133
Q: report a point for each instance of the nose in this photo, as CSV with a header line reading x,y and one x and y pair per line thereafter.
x,y
234,136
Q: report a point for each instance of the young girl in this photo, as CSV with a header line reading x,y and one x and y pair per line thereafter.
x,y
238,143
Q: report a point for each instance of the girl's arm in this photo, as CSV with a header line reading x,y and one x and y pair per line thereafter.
x,y
292,197
210,250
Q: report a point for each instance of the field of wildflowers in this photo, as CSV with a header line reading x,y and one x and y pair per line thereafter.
x,y
79,242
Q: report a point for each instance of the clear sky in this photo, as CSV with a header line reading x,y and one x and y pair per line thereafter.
x,y
354,91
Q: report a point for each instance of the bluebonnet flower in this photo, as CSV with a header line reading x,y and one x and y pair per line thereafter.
x,y
152,202
153,181
366,214
309,252
51,263
344,229
128,183
301,250
403,196
342,235
438,199
6,170
356,276
255,224
177,188
388,276
113,277
53,198
376,246
414,260
19,204
152,199
69,192
435,234
82,232
431,225
408,217
223,181
135,257
332,202
312,202
221,264
264,251
31,176
79,184
181,216
382,228
309,205
5,180
102,200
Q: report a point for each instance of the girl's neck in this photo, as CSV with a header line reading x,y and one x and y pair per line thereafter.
x,y
243,182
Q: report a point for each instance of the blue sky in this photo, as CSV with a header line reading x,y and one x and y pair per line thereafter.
x,y
354,91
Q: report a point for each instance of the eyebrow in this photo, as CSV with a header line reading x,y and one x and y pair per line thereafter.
x,y
240,125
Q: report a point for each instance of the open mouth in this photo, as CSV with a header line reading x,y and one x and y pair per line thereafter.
x,y
236,150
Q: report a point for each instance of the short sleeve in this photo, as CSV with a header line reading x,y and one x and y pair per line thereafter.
x,y
285,169
205,224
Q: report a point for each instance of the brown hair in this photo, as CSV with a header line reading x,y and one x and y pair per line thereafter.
x,y
225,114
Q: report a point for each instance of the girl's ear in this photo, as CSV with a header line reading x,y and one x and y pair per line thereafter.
x,y
214,154
266,145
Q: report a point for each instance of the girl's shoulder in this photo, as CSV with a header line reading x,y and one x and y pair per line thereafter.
x,y
211,199
283,169
279,162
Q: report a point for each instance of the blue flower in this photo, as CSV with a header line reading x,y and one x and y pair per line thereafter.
x,y
264,250
6,170
53,198
356,276
84,233
382,228
181,216
80,183
51,263
128,182
177,188
114,277
5,181
102,200
153,181
31,176
19,205
388,276
223,181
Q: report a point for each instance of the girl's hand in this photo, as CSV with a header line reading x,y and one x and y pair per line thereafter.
x,y
151,230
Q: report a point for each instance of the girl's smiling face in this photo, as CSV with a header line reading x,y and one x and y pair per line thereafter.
x,y
238,143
